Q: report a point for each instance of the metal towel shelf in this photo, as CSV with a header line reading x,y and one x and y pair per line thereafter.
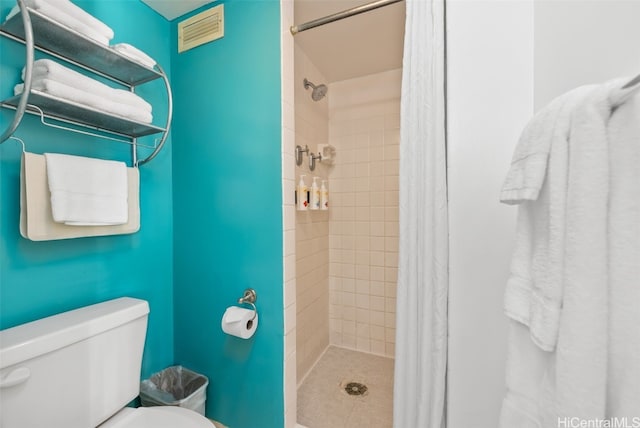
x,y
37,31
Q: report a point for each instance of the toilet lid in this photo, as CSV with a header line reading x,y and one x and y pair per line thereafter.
x,y
157,417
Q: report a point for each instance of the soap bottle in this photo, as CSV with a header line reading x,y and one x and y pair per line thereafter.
x,y
324,196
315,195
301,195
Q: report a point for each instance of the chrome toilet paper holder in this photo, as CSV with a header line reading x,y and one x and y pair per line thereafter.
x,y
249,297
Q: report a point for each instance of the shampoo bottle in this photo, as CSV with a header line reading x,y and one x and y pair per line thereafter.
x,y
301,195
315,195
324,196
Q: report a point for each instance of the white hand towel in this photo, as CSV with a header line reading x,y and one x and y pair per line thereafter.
x,y
87,191
60,16
88,99
49,69
36,221
134,53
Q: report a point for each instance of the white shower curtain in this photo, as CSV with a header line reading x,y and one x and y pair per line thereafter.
x,y
421,325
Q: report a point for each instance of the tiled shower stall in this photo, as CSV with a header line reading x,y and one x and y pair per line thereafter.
x,y
346,258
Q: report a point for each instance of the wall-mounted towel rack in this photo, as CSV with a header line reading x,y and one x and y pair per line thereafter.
x,y
37,31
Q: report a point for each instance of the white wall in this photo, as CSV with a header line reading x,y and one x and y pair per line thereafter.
x,y
507,59
580,42
490,99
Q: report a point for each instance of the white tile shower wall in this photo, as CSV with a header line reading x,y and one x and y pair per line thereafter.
x,y
364,126
312,227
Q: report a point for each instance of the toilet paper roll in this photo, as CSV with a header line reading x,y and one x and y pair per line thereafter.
x,y
238,322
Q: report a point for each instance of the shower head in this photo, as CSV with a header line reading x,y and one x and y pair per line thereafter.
x,y
318,91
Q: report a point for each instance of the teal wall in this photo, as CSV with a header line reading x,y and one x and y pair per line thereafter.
x,y
228,212
211,210
38,279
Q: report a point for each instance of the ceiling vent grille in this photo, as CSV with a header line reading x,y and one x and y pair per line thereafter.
x,y
201,28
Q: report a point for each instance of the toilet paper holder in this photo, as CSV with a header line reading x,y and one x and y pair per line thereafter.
x,y
249,298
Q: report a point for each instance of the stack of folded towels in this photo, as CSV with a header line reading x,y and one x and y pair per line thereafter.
x,y
72,16
57,80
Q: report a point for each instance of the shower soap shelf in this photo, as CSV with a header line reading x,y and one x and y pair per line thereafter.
x,y
39,32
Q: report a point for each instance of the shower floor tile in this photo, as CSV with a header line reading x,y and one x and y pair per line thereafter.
x,y
323,403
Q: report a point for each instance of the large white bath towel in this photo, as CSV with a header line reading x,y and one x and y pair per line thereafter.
x,y
581,360
49,69
88,99
86,192
580,234
537,180
83,16
623,391
54,12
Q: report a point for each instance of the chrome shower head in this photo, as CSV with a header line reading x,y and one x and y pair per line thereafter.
x,y
319,91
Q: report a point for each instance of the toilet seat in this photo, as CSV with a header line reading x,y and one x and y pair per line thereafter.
x,y
157,417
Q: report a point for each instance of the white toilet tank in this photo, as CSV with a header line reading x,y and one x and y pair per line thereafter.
x,y
72,370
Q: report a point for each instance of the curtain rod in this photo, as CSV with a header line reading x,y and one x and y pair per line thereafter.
x,y
341,15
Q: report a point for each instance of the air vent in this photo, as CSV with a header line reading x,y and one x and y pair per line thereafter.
x,y
201,28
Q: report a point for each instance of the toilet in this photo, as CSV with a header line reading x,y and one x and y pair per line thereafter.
x,y
80,369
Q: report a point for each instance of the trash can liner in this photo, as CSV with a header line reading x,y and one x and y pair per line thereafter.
x,y
175,386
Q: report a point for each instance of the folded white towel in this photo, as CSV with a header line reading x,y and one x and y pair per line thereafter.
x,y
48,69
88,99
83,16
86,192
135,54
51,10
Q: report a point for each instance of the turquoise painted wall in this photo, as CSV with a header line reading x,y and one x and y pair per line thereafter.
x,y
38,279
228,212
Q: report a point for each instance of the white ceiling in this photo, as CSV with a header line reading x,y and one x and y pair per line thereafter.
x,y
172,9
362,44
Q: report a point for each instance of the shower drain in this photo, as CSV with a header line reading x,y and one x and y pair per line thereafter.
x,y
355,388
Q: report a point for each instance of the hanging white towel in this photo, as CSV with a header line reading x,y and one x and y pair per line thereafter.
x,y
588,247
87,191
623,392
36,220
537,180
134,53
52,70
533,295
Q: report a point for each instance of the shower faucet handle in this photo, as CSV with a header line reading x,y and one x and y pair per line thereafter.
x,y
299,152
312,160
